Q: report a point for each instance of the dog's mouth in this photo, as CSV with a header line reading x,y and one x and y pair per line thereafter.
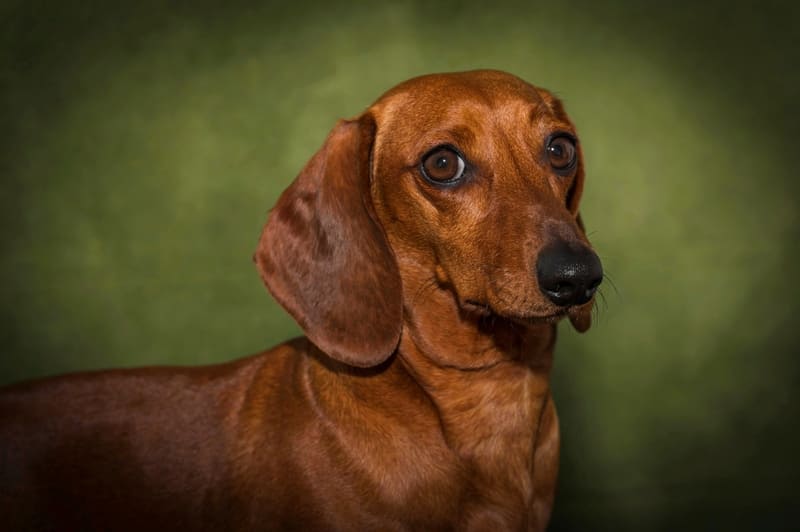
x,y
485,310
539,320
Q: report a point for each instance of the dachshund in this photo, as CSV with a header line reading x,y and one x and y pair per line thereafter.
x,y
427,251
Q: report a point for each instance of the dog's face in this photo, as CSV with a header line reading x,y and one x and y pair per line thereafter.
x,y
478,177
468,182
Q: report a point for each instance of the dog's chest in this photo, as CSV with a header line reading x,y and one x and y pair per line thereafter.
x,y
481,464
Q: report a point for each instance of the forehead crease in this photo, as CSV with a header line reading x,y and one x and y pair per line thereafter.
x,y
462,134
540,113
552,105
544,120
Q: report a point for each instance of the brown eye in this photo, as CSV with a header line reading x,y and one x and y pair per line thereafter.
x,y
562,153
443,165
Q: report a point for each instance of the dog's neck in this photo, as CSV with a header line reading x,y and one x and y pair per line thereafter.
x,y
502,367
488,381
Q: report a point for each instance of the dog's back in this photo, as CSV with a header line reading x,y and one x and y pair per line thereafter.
x,y
102,450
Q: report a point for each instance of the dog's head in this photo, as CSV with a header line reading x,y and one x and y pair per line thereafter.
x,y
469,180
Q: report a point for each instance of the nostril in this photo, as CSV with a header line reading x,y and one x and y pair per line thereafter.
x,y
586,296
592,288
587,293
567,275
562,292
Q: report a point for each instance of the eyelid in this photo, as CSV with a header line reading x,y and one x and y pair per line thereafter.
x,y
444,146
558,134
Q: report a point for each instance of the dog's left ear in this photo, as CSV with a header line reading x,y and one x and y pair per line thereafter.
x,y
576,190
579,220
326,259
581,319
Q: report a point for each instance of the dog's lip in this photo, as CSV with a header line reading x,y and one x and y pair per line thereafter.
x,y
485,309
544,318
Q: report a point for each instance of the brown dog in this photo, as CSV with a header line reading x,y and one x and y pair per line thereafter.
x,y
427,250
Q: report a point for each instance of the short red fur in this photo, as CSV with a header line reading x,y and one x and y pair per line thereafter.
x,y
420,397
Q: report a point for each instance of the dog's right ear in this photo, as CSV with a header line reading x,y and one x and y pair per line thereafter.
x,y
326,259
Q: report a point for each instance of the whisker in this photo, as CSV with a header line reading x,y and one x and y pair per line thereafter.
x,y
611,282
603,298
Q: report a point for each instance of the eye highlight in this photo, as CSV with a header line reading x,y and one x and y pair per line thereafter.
x,y
443,166
561,153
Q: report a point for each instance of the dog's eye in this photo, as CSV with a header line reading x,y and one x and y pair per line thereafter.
x,y
443,165
562,153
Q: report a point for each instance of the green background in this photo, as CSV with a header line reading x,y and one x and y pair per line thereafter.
x,y
143,144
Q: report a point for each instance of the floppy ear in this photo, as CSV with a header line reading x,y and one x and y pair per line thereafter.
x,y
581,319
579,219
576,190
325,258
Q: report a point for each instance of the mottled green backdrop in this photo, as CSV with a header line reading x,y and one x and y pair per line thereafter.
x,y
143,144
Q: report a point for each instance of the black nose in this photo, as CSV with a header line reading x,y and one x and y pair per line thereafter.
x,y
568,274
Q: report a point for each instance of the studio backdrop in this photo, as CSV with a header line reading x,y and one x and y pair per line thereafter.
x,y
143,144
